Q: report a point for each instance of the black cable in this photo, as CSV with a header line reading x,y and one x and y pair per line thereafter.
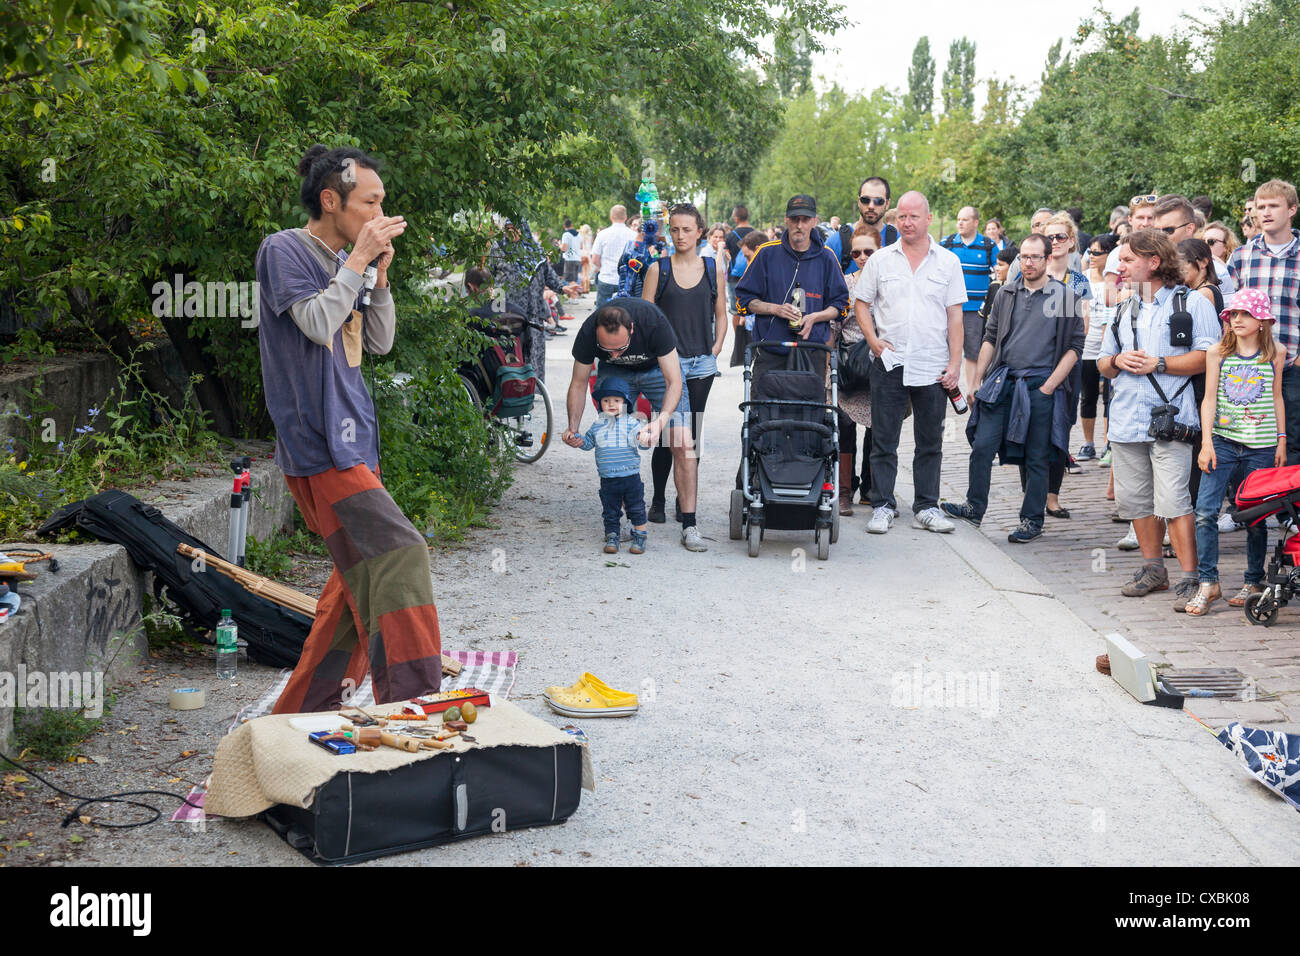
x,y
86,801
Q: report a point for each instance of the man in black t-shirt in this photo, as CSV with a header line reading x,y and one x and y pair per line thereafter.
x,y
634,342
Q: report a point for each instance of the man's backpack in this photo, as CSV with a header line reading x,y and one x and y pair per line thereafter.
x,y
710,273
275,634
991,252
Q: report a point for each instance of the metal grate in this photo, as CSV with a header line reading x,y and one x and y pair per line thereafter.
x,y
1224,682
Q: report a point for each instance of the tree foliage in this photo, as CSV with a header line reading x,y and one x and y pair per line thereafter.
x,y
920,83
959,77
112,184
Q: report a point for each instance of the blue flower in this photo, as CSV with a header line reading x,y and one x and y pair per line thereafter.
x,y
93,412
60,446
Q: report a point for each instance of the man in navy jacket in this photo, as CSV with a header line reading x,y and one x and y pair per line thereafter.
x,y
792,288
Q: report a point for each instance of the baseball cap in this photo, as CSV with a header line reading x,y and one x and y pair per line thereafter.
x,y
801,205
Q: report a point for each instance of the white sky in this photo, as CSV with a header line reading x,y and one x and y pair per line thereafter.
x,y
1011,40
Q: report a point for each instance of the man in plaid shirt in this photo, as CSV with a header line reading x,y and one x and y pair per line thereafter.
x,y
1270,261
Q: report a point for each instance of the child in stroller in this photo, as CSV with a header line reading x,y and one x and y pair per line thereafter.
x,y
790,448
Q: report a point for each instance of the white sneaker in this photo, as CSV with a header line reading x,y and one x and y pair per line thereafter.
x,y
1130,541
1226,524
932,519
692,540
882,519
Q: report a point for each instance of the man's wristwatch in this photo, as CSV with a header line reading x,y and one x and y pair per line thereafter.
x,y
1160,365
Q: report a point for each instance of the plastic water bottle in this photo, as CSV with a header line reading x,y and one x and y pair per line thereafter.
x,y
227,646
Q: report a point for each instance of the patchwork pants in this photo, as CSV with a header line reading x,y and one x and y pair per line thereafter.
x,y
376,613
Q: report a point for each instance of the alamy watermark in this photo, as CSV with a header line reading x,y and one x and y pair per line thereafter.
x,y
219,300
921,688
62,690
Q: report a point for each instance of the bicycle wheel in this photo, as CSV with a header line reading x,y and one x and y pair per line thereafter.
x,y
532,432
470,391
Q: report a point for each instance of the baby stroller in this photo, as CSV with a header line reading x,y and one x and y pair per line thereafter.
x,y
790,448
1264,493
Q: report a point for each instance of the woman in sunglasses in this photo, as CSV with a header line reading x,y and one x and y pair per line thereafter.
x,y
855,407
1063,235
1221,240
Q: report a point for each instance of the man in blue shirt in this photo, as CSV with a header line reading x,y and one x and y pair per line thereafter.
x,y
977,254
1149,371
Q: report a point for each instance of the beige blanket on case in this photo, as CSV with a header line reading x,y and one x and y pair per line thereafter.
x,y
266,761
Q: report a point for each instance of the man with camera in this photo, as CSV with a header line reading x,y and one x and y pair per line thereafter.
x,y
1155,343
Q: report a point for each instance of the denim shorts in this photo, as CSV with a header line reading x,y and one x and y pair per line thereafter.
x,y
651,384
700,366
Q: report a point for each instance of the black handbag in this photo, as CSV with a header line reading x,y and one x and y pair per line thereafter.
x,y
854,365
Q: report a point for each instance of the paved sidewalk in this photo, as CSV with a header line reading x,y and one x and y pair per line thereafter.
x,y
1076,559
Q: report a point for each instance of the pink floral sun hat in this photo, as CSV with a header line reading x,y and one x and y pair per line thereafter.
x,y
1249,300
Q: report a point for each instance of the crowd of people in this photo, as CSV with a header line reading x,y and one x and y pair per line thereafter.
x,y
1168,339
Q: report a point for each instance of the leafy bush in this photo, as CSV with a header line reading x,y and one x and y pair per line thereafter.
x,y
137,436
441,460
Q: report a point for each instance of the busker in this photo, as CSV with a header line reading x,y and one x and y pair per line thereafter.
x,y
376,612
1035,335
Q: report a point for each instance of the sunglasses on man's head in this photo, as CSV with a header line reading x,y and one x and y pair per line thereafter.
x,y
1147,200
872,200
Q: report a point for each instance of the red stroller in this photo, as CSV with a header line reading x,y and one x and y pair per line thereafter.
x,y
1264,493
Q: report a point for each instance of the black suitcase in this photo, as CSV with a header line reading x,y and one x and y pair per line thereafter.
x,y
361,816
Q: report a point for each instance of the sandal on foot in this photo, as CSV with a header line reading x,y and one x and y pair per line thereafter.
x,y
1205,595
1239,599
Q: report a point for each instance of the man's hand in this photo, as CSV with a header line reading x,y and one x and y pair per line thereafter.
x,y
805,330
1045,390
787,311
948,380
573,290
1135,361
880,346
376,238
649,435
570,438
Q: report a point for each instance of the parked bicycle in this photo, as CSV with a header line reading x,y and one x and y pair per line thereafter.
x,y
503,386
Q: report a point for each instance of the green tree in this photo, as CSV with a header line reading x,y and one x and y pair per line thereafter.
x,y
791,65
920,84
959,77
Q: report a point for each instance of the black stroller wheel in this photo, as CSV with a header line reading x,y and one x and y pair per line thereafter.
x,y
755,537
1261,609
737,515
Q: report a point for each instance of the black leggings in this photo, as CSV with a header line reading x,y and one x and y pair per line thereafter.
x,y
1091,391
849,446
1055,472
661,460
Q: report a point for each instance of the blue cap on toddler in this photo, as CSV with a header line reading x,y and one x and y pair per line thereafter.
x,y
614,386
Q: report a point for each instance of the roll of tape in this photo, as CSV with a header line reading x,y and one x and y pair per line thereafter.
x,y
187,698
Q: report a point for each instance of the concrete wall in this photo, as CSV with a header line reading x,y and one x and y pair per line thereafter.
x,y
86,617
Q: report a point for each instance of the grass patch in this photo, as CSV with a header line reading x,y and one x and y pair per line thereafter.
x,y
53,734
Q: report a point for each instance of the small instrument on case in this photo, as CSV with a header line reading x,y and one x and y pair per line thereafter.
x,y
437,703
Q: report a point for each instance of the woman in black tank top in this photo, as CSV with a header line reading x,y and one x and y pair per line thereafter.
x,y
696,309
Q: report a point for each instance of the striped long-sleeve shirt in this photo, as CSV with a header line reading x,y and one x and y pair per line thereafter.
x,y
617,452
